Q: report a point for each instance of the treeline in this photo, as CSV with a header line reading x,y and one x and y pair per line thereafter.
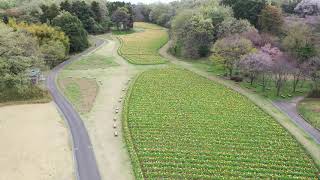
x,y
251,39
44,36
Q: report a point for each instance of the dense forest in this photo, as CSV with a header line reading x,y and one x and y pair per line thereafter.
x,y
256,40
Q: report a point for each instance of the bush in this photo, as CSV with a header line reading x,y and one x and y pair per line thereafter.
x,y
236,79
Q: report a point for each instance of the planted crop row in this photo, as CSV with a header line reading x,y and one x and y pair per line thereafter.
x,y
142,47
179,125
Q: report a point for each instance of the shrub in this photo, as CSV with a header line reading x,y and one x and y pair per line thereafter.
x,y
236,79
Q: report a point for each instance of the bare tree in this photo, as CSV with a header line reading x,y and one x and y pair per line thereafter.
x,y
281,69
255,65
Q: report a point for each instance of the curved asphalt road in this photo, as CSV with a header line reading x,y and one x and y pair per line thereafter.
x,y
290,108
86,166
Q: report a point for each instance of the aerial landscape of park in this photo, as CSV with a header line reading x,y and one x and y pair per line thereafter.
x,y
169,89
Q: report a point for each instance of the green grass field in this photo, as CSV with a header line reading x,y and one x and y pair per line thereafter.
x,y
92,61
179,125
310,110
142,47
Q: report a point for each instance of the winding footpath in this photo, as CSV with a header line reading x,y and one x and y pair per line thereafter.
x,y
85,162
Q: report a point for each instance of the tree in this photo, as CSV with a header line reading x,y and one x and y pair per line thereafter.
x,y
65,6
231,49
233,26
271,19
53,53
298,43
121,18
114,6
47,37
43,32
281,69
48,13
247,9
74,29
84,13
18,52
256,64
193,35
17,44
97,11
288,7
254,36
141,12
308,7
313,70
215,12
273,52
161,14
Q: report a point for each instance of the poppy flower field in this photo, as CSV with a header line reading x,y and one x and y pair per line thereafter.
x,y
142,47
179,125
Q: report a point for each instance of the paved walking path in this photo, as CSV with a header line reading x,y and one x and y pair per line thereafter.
x,y
85,162
111,153
290,108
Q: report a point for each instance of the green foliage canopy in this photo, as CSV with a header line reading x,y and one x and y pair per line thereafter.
x,y
74,29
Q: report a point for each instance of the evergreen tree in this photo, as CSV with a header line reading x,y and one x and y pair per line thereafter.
x,y
74,29
65,6
97,11
48,13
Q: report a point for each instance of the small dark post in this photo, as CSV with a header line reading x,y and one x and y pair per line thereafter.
x,y
5,19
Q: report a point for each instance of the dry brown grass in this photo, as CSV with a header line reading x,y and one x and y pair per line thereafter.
x,y
81,92
34,143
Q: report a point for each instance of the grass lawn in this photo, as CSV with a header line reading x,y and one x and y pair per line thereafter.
x,y
78,80
142,47
81,92
270,92
92,61
179,125
310,110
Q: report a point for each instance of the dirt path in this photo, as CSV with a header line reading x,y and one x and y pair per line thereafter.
x,y
111,154
34,143
301,136
290,108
